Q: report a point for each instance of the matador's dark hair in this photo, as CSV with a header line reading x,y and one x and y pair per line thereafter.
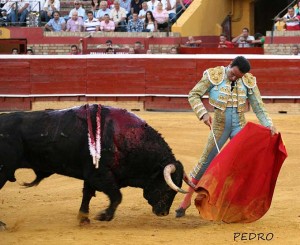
x,y
242,63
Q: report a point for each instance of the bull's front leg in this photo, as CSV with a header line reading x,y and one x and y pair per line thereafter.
x,y
88,193
115,198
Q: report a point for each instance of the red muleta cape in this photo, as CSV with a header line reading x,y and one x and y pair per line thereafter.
x,y
239,183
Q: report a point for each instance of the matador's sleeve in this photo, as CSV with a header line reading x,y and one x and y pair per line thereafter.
x,y
259,108
196,95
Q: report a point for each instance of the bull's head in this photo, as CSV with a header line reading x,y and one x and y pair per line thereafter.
x,y
163,186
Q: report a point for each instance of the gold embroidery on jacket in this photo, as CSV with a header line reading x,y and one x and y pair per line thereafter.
x,y
249,80
216,75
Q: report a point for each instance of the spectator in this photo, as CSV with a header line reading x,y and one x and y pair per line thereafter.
x,y
126,4
78,8
14,51
291,20
259,40
170,6
75,24
18,11
102,11
295,50
136,6
137,46
107,25
109,43
224,43
56,24
152,4
48,9
110,4
297,8
91,24
150,24
173,50
4,18
135,24
109,51
95,7
192,42
182,6
5,11
143,11
243,40
74,50
161,16
29,51
118,15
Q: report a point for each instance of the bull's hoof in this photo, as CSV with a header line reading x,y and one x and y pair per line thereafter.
x,y
104,216
83,219
2,226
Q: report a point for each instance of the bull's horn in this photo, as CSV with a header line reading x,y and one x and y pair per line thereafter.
x,y
188,181
168,170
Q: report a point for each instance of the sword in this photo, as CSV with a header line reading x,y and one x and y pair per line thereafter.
x,y
215,140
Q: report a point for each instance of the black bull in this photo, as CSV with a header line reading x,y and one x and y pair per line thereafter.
x,y
56,141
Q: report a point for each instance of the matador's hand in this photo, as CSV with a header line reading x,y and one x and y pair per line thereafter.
x,y
273,130
207,119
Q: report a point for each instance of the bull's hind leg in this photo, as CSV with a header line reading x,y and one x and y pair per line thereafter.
x,y
2,183
88,193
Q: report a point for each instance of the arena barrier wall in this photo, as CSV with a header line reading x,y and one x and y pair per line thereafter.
x,y
156,82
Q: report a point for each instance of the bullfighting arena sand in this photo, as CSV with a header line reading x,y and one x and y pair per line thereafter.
x,y
46,214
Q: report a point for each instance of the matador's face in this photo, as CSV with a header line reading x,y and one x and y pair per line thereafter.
x,y
233,73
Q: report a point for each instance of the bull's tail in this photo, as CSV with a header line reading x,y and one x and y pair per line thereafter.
x,y
39,177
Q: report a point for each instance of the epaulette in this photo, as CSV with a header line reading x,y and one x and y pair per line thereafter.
x,y
249,80
216,75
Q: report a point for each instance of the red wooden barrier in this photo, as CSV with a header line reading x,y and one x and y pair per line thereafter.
x,y
160,81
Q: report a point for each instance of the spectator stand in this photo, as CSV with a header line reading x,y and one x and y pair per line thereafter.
x,y
210,50
116,50
120,45
33,16
278,24
209,45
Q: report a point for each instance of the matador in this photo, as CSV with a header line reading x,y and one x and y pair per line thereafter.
x,y
228,89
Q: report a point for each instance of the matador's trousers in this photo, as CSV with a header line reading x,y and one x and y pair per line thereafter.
x,y
226,124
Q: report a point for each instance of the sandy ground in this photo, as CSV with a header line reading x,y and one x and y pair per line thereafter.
x,y
47,214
